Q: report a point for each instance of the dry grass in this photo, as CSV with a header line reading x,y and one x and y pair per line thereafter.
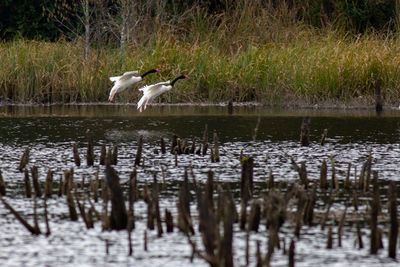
x,y
277,59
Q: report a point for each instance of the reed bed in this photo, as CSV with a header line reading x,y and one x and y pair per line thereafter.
x,y
244,54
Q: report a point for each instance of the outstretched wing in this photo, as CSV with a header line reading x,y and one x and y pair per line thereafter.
x,y
125,76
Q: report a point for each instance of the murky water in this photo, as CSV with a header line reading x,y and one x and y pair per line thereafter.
x,y
49,133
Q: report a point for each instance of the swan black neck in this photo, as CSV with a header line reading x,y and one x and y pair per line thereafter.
x,y
148,72
177,78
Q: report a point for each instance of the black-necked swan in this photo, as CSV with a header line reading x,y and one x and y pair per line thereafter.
x,y
152,91
125,80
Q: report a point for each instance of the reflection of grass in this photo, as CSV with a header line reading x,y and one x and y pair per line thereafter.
x,y
222,63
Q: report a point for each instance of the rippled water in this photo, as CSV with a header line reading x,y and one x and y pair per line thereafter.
x,y
49,133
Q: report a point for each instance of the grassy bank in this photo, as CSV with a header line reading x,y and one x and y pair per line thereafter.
x,y
310,67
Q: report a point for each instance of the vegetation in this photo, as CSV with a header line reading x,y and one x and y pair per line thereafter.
x,y
258,51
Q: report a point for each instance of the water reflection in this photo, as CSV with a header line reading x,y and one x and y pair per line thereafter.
x,y
24,124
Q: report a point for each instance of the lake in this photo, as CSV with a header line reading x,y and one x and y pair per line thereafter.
x,y
269,136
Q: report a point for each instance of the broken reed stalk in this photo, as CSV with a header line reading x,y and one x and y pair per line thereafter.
x,y
48,186
129,229
184,217
138,157
27,182
114,155
89,151
156,201
208,226
33,230
335,182
292,248
205,140
103,154
162,144
323,137
309,207
225,246
323,182
215,150
35,181
145,240
118,216
304,132
169,221
46,217
24,160
256,128
347,182
2,185
75,152
394,223
359,236
374,238
340,227
254,216
35,215
73,215
132,197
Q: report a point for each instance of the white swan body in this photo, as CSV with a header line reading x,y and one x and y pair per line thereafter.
x,y
124,81
150,92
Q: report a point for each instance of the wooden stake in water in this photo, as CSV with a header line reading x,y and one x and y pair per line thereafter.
x,y
330,238
24,160
119,216
46,217
291,254
2,185
394,223
374,240
89,152
28,187
75,152
162,144
48,187
304,132
35,180
169,221
215,154
103,154
29,227
114,159
205,140
139,151
323,136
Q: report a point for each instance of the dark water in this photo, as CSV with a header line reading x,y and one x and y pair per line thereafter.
x,y
50,131
54,124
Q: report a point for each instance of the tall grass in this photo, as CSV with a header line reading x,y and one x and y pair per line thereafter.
x,y
245,54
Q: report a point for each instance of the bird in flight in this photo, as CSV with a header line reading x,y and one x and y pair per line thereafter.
x,y
152,91
125,80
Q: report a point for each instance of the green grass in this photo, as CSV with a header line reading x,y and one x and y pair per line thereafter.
x,y
224,63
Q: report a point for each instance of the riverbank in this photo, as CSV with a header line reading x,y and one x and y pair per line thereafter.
x,y
312,69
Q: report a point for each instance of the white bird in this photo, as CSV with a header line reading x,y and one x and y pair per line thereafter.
x,y
125,80
152,91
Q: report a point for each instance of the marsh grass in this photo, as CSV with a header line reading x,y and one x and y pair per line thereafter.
x,y
245,54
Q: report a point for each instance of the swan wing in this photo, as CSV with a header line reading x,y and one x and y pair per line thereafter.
x,y
150,92
128,75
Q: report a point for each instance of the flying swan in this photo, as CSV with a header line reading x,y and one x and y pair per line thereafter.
x,y
125,80
152,91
